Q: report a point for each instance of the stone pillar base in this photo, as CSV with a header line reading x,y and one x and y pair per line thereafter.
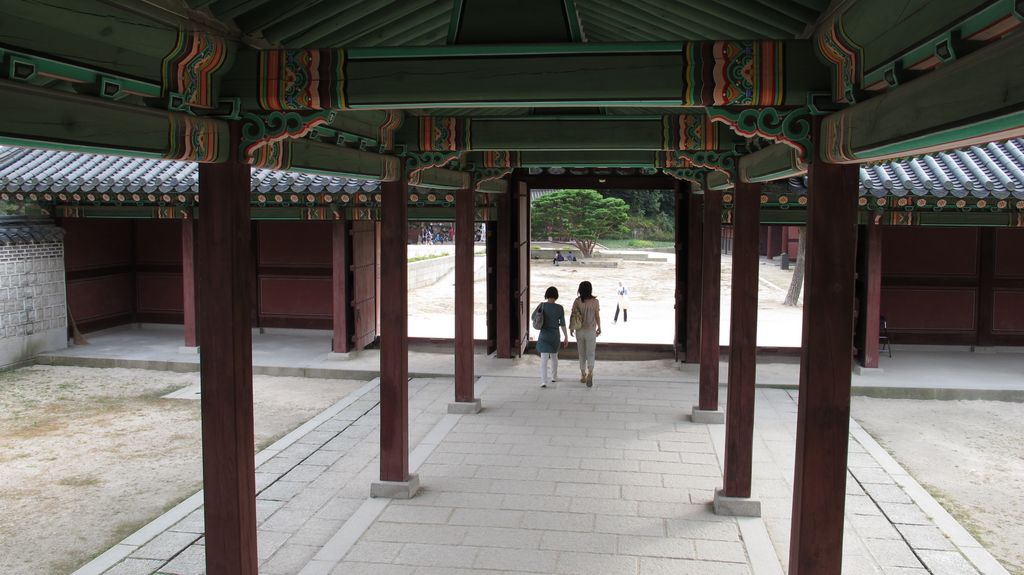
x,y
707,416
396,489
339,356
190,349
736,506
861,370
465,407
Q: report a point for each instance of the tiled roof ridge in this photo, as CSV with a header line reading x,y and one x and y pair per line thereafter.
x,y
16,230
992,170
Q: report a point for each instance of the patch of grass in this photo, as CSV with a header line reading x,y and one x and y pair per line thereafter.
x,y
635,244
81,481
426,257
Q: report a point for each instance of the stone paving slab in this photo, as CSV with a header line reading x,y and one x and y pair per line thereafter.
x,y
613,479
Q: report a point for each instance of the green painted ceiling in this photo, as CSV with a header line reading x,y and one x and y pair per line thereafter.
x,y
366,23
374,23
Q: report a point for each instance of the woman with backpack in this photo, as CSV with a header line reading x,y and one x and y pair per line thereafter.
x,y
585,324
548,317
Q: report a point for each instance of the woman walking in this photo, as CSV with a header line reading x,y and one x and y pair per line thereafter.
x,y
585,322
547,341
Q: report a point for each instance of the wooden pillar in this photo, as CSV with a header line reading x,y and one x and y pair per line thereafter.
x,y
769,248
682,194
394,341
465,209
188,281
823,416
739,430
341,295
503,272
871,294
226,364
694,253
490,238
710,300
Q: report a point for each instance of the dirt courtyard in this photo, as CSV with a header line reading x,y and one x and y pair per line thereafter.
x,y
652,300
968,455
87,456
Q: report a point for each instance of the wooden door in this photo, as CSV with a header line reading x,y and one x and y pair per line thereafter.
x,y
364,283
521,244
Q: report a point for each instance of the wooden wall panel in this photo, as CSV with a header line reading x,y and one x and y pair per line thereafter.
x,y
93,244
295,297
102,301
294,244
922,309
159,292
1008,311
1009,253
158,242
917,251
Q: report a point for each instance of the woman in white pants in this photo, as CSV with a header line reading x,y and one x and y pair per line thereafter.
x,y
547,341
585,325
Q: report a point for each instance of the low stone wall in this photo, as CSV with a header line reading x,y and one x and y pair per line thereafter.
x,y
33,305
428,272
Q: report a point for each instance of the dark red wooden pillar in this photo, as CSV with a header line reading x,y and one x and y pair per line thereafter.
x,y
394,341
823,417
503,271
694,269
465,209
769,247
341,294
681,193
710,300
492,289
226,365
188,281
872,294
739,430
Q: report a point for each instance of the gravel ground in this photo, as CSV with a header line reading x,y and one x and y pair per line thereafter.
x,y
87,456
968,455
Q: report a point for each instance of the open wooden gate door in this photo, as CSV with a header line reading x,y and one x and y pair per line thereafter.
x,y
364,283
521,247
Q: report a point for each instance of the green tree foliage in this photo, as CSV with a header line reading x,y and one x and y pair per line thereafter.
x,y
582,216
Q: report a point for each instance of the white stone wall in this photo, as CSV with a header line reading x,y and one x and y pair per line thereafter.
x,y
33,304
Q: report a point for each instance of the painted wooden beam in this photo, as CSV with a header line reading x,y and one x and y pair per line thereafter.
x,y
225,366
41,118
309,156
974,100
873,45
774,162
823,417
739,419
691,132
668,74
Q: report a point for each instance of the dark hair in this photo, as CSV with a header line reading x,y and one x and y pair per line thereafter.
x,y
551,293
586,291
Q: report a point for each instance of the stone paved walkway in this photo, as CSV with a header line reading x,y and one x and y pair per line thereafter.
x,y
613,479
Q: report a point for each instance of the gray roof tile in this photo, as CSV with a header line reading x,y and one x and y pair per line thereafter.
x,y
995,169
33,170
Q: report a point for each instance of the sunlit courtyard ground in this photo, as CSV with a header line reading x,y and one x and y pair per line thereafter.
x,y
88,455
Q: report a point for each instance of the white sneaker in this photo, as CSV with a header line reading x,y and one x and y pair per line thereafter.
x,y
543,385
